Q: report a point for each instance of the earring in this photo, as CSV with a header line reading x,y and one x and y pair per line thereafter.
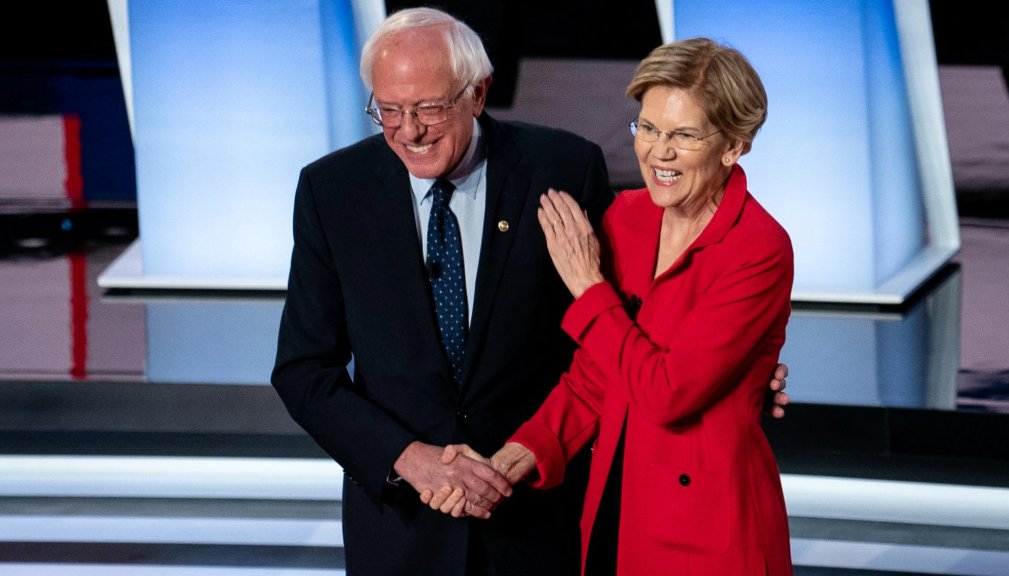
x,y
727,160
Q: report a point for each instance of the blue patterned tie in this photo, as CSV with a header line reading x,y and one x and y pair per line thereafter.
x,y
445,271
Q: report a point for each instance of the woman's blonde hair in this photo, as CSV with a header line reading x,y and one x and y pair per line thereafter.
x,y
722,78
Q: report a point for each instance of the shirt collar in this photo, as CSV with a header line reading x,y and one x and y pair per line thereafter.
x,y
467,173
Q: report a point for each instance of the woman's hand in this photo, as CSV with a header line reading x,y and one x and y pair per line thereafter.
x,y
571,241
513,461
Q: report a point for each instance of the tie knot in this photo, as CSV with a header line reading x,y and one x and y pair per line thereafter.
x,y
441,192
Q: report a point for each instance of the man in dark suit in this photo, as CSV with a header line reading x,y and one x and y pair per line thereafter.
x,y
419,252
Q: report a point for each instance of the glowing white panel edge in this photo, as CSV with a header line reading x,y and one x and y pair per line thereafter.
x,y
171,477
893,501
127,271
119,14
24,569
317,479
921,73
162,530
368,14
666,12
900,558
897,289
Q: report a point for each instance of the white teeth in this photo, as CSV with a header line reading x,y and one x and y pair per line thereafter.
x,y
667,175
419,149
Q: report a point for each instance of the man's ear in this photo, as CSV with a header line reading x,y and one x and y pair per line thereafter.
x,y
480,95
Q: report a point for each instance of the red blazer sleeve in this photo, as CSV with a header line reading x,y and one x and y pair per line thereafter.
x,y
739,310
565,423
569,417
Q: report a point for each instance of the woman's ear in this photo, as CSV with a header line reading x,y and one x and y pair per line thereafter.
x,y
732,153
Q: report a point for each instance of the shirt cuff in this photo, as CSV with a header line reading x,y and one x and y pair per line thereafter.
x,y
597,299
547,449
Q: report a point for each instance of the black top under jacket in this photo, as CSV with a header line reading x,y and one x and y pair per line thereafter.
x,y
358,286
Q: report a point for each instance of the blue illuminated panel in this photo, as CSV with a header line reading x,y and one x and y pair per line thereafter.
x,y
835,163
212,342
231,100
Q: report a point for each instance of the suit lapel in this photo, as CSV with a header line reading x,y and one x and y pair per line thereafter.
x,y
506,196
402,256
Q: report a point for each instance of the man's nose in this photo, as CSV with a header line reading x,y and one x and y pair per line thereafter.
x,y
411,127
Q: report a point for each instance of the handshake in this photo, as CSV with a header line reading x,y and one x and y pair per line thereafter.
x,y
458,480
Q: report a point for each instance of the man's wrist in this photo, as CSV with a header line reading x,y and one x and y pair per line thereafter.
x,y
401,467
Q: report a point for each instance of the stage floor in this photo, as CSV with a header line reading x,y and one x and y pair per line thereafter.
x,y
138,433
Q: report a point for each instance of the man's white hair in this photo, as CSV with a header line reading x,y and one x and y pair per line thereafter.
x,y
469,60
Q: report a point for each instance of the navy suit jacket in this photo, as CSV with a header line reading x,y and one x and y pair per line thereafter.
x,y
358,287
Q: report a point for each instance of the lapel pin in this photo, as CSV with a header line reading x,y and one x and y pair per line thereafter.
x,y
502,225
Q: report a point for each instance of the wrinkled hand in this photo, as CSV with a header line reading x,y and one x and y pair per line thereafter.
x,y
452,499
571,241
423,467
776,399
514,461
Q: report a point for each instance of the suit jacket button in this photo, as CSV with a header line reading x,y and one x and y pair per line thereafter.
x,y
684,480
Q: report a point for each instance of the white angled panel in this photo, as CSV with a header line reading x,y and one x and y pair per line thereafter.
x,y
171,477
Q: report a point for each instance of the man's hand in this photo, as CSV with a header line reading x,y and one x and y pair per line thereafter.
x,y
776,399
514,461
451,500
423,467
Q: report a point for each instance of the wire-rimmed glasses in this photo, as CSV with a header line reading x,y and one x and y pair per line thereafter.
x,y
679,139
426,114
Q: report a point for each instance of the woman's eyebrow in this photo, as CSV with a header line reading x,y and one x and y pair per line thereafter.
x,y
643,120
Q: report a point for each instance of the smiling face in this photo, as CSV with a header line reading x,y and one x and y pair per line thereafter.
x,y
682,180
411,68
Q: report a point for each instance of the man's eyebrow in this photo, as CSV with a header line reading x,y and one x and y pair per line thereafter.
x,y
438,100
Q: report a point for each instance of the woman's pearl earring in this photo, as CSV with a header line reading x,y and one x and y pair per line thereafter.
x,y
728,160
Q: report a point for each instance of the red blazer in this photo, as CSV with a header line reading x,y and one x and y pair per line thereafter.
x,y
701,492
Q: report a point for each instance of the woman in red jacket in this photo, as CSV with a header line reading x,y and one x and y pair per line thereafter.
x,y
677,339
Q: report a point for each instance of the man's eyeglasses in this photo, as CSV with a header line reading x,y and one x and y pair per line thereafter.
x,y
680,140
426,114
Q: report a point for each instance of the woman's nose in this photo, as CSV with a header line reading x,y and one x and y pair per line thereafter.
x,y
665,149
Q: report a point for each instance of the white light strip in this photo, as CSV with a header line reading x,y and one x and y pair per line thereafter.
x,y
899,557
665,11
172,530
127,271
119,15
891,501
171,477
921,75
24,569
317,479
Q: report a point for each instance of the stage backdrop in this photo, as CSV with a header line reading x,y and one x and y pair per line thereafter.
x,y
232,98
853,158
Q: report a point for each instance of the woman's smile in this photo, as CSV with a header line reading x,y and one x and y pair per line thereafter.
x,y
666,176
